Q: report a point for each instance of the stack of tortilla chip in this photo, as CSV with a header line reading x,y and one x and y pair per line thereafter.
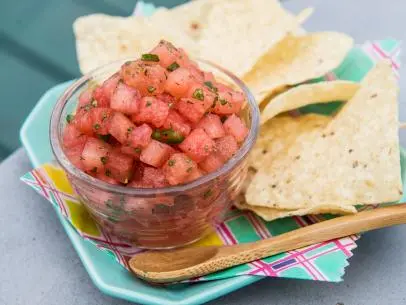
x,y
317,164
300,165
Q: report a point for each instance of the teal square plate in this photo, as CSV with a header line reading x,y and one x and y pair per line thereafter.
x,y
105,272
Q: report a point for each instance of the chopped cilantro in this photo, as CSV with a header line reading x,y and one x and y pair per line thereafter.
x,y
104,137
209,85
149,57
86,107
168,136
151,89
173,66
137,150
96,126
104,159
198,94
109,203
171,162
107,173
207,194
156,135
223,101
111,219
130,129
69,118
215,101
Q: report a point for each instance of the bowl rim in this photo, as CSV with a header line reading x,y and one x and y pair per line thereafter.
x,y
62,159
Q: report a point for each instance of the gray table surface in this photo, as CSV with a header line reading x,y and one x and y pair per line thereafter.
x,y
38,264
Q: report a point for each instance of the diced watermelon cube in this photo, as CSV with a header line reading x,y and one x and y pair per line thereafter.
x,y
178,167
153,111
167,98
74,154
120,127
222,87
178,82
138,171
125,99
95,154
196,73
148,78
156,153
228,103
110,84
208,77
83,121
184,60
212,125
103,93
197,145
119,166
167,53
235,126
211,163
154,177
100,97
202,93
100,120
191,109
134,152
226,147
175,121
72,136
149,177
195,174
86,97
140,136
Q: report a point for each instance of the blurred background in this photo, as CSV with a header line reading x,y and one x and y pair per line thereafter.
x,y
37,51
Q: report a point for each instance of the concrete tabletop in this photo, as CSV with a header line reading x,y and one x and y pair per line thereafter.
x,y
38,264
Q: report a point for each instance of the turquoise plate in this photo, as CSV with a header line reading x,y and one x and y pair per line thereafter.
x,y
106,273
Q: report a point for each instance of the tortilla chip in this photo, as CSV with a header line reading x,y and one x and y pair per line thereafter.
x,y
306,94
200,27
296,59
280,132
101,39
239,32
353,160
269,214
190,17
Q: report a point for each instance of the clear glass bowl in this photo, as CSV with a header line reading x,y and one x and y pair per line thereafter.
x,y
162,217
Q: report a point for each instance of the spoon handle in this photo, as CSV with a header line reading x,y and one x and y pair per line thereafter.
x,y
319,232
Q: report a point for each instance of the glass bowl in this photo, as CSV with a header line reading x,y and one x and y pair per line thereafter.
x,y
161,217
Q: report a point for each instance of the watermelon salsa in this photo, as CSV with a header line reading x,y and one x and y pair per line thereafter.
x,y
159,121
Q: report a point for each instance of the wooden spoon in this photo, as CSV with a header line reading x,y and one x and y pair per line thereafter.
x,y
185,263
